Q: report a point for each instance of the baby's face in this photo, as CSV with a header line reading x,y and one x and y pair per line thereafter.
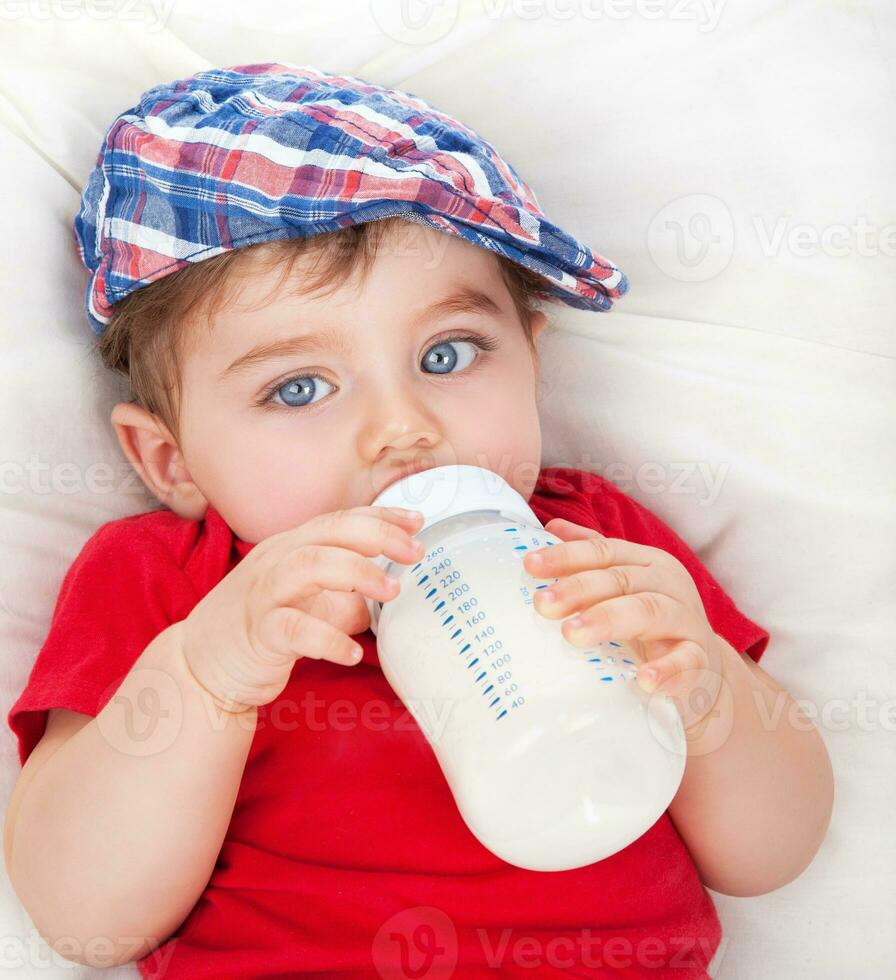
x,y
275,440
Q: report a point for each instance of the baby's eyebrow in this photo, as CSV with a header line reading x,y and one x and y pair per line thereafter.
x,y
466,299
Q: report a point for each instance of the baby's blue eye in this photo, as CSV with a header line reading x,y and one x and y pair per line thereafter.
x,y
442,358
299,392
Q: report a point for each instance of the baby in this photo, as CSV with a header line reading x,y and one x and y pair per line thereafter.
x,y
314,286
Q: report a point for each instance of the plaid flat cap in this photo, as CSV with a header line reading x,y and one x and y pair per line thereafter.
x,y
233,157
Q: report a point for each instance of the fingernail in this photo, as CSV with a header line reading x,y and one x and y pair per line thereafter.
x,y
535,559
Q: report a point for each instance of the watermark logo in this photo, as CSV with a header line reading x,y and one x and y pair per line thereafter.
x,y
147,723
428,21
691,239
152,14
415,21
420,943
416,944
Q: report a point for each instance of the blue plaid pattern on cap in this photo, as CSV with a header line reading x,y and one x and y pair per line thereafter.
x,y
237,156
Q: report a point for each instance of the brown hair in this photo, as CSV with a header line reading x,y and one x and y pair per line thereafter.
x,y
146,338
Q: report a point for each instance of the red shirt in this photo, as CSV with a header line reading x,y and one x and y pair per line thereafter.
x,y
346,855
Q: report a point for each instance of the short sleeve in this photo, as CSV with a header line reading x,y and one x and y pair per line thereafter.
x,y
619,516
122,590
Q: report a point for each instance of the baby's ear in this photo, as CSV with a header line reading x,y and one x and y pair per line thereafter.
x,y
156,456
538,323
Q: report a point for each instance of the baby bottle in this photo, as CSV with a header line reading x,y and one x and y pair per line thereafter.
x,y
555,756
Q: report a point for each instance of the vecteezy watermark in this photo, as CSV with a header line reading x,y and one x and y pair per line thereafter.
x,y
698,478
692,238
701,479
149,722
39,476
409,236
429,21
864,713
421,943
705,13
838,239
31,949
149,718
153,13
415,21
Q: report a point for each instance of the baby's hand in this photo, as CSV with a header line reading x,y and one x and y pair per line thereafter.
x,y
621,590
240,641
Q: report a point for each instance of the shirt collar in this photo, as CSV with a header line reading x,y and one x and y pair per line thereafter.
x,y
213,518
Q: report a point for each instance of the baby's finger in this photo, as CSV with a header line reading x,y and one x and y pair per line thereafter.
x,y
685,656
688,676
305,571
646,615
366,530
574,592
594,551
291,633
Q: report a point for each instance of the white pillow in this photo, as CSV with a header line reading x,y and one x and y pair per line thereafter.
x,y
743,395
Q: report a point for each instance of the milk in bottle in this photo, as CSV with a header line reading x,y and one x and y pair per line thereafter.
x,y
554,755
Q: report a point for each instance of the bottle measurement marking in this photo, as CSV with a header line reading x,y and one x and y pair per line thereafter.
x,y
623,674
516,531
466,648
524,589
439,604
